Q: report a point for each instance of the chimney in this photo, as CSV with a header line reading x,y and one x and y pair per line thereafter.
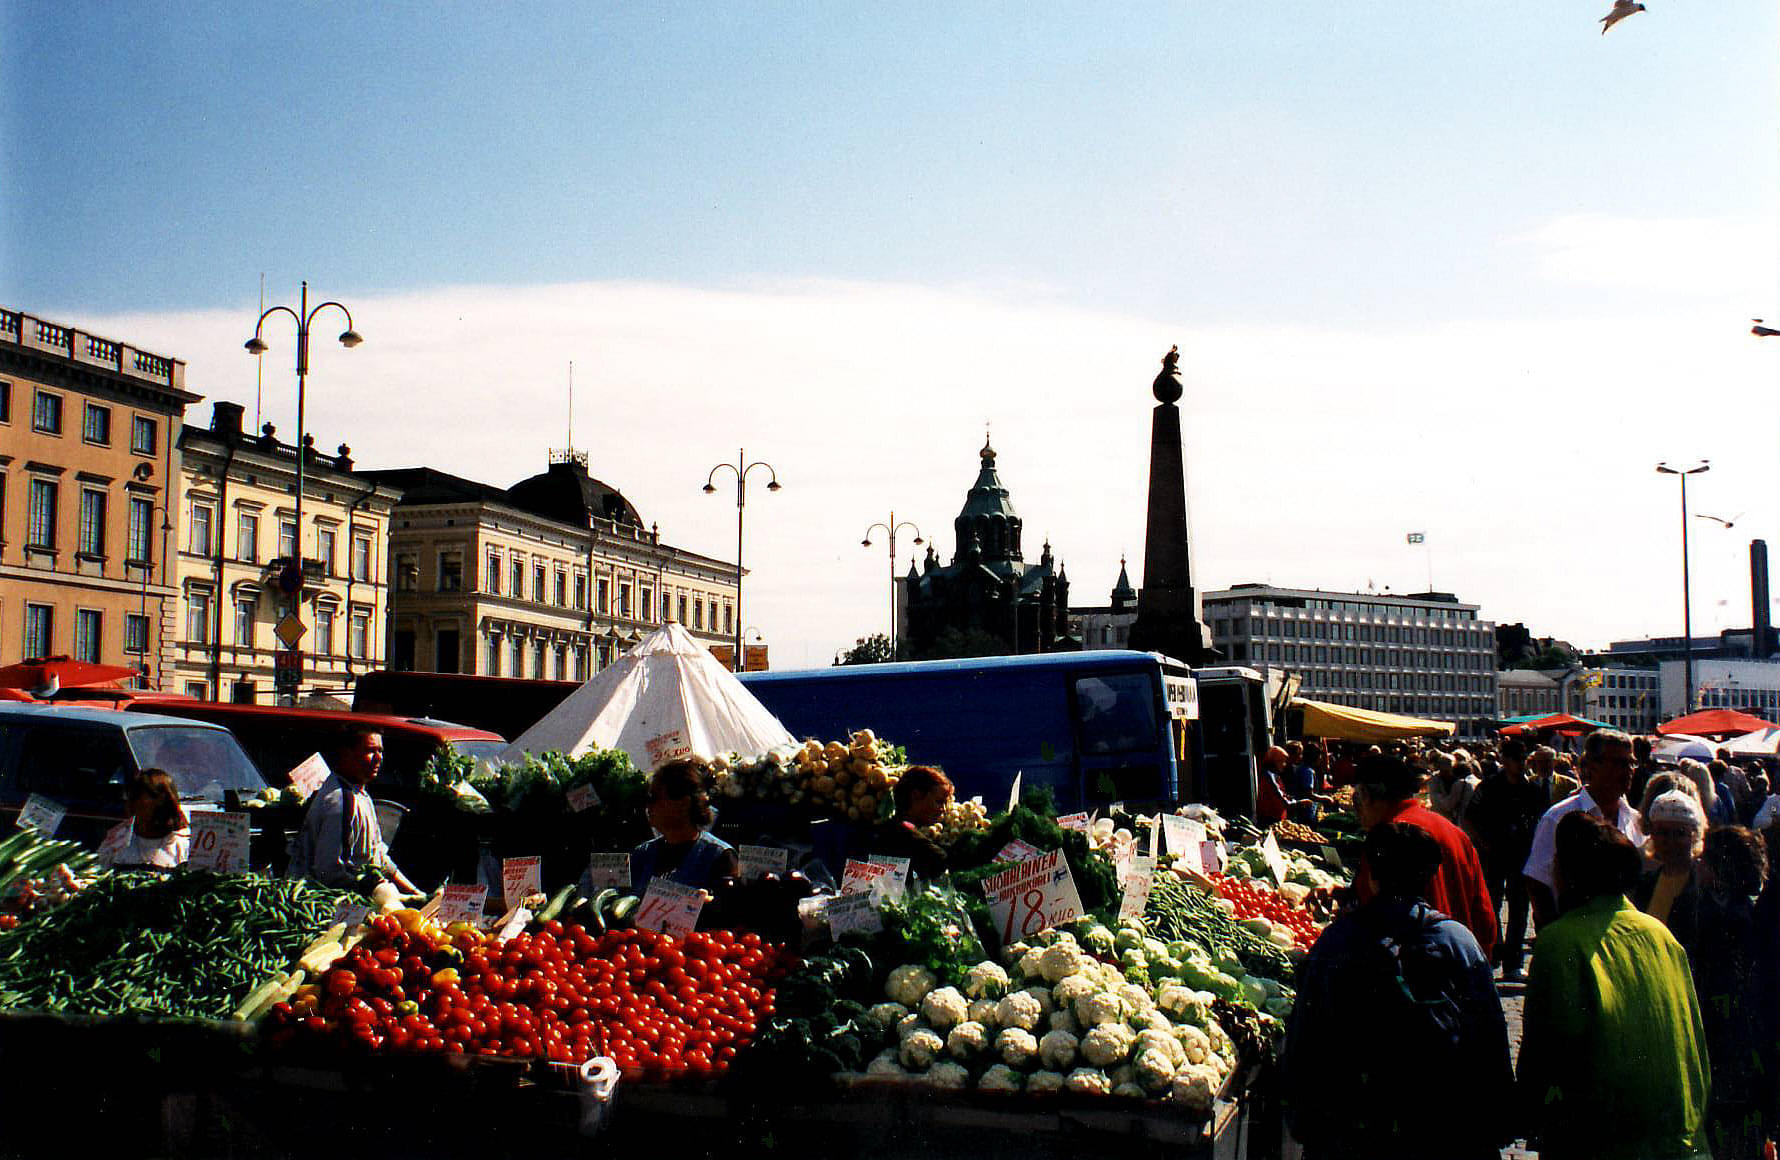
x,y
1760,631
225,419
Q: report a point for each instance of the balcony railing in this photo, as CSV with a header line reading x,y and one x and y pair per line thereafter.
x,y
76,345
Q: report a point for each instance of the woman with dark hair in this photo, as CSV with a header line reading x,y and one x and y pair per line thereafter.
x,y
1613,1054
156,832
921,794
1733,868
683,850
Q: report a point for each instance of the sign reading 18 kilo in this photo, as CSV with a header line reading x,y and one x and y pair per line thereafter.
x,y
1033,895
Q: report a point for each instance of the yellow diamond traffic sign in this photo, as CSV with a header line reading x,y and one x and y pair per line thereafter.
x,y
290,630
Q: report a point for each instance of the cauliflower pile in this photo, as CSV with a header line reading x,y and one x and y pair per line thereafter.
x,y
1053,1018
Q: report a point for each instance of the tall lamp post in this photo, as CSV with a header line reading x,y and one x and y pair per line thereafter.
x,y
291,580
891,527
741,467
1699,468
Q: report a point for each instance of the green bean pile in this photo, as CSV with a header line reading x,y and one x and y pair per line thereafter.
x,y
1177,909
189,943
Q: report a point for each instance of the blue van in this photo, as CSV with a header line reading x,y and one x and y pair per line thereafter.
x,y
1096,727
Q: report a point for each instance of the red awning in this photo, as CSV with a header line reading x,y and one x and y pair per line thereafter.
x,y
1714,723
1561,722
38,673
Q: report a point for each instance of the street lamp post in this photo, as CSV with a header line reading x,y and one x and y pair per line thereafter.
x,y
891,527
148,567
1686,588
741,467
292,579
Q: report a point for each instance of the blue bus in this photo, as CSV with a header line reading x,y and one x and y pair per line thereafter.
x,y
1096,727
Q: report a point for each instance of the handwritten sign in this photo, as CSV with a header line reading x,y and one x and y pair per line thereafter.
x,y
1013,794
1185,840
760,860
521,878
1077,822
583,798
666,747
462,904
307,777
1332,856
669,907
1137,889
219,842
41,814
605,870
1276,862
516,920
899,866
1017,851
853,913
1211,856
874,878
349,913
1033,895
1124,862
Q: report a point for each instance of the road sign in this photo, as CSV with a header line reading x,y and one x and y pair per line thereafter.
x,y
290,629
290,577
287,669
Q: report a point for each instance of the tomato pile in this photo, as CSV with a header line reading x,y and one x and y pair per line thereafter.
x,y
655,1003
1256,901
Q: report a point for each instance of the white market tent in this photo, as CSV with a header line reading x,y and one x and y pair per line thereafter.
x,y
1679,745
667,697
1761,742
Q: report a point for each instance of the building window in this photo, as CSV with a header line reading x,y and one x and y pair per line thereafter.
x,y
46,413
200,544
287,539
562,589
538,661
580,591
518,587
142,435
360,642
580,662
602,596
92,522
667,607
538,583
451,572
698,614
197,689
682,609
361,558
324,632
247,537
41,530
135,633
492,582
5,402
324,549
39,619
624,601
646,602
96,426
729,621
407,574
517,649
494,646
244,623
197,617
561,661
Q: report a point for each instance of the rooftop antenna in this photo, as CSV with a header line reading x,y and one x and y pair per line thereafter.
x,y
568,454
259,361
571,441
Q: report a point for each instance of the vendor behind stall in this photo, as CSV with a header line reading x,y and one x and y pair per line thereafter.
x,y
683,850
340,843
921,794
156,833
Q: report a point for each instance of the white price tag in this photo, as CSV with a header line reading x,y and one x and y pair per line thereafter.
x,y
520,878
873,878
1332,856
1184,838
349,913
669,746
900,866
42,814
669,907
1013,794
605,870
759,860
1078,822
1017,851
851,913
1137,889
516,922
307,777
219,842
1033,895
1276,862
462,904
1124,862
1211,857
1155,836
583,798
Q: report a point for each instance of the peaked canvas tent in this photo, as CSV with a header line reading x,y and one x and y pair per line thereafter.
x,y
667,697
1714,723
1348,723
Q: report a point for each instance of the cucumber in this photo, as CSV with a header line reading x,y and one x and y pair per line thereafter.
x,y
556,904
597,912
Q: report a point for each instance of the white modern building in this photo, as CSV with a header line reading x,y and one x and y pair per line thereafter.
x,y
1721,683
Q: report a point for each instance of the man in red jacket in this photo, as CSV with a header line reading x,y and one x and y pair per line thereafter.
x,y
1385,791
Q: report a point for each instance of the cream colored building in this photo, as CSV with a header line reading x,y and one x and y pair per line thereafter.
x,y
89,430
549,579
237,532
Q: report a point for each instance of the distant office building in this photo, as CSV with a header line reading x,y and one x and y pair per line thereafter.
x,y
89,462
1721,683
1521,692
1426,654
1626,698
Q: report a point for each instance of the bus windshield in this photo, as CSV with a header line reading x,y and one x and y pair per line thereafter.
x,y
204,762
1116,713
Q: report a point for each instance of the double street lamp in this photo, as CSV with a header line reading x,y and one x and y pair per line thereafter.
x,y
741,467
292,578
890,528
1699,468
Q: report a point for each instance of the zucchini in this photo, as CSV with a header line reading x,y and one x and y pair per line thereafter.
x,y
556,904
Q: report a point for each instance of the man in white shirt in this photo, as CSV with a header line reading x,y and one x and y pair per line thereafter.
x,y
341,839
1607,767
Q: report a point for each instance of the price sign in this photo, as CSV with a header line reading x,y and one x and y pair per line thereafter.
x,y
1124,862
1155,836
41,814
1211,856
759,860
219,842
873,878
899,866
1033,895
1184,838
349,913
515,922
1078,822
583,798
307,777
669,907
669,746
851,913
462,904
520,878
1332,856
1137,889
1017,851
389,819
605,870
1276,862
1013,795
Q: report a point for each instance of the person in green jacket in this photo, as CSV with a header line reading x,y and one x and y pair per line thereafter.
x,y
1613,1054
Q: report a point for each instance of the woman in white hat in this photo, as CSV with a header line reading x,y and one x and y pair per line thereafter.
x,y
1669,891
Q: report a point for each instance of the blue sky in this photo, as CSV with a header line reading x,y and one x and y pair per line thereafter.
x,y
1385,226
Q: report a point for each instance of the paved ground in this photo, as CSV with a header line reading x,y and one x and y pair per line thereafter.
x,y
1511,1007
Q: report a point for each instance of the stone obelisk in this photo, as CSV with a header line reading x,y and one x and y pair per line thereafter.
x,y
1168,610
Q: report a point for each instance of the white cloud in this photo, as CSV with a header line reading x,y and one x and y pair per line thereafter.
x,y
1682,257
1523,449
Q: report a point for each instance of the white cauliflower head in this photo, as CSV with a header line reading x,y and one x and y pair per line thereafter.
x,y
1089,1080
1136,999
1063,1019
886,1064
1044,1081
986,981
1194,1087
1020,1010
1108,1044
1000,1078
946,1074
1063,959
1183,1003
885,1016
967,1040
1016,1047
1195,1043
1043,995
1029,967
1012,953
982,1011
1056,1050
920,1048
1152,1020
1067,990
1100,1007
1163,1041
1122,1074
1155,1071
909,984
944,1007
909,1024
1130,1091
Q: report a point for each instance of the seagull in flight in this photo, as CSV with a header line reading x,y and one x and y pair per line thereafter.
x,y
1730,523
1762,329
1621,10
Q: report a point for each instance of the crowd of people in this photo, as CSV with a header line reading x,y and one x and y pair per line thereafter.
x,y
1642,892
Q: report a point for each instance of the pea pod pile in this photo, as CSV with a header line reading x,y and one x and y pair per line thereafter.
x,y
1178,910
189,943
